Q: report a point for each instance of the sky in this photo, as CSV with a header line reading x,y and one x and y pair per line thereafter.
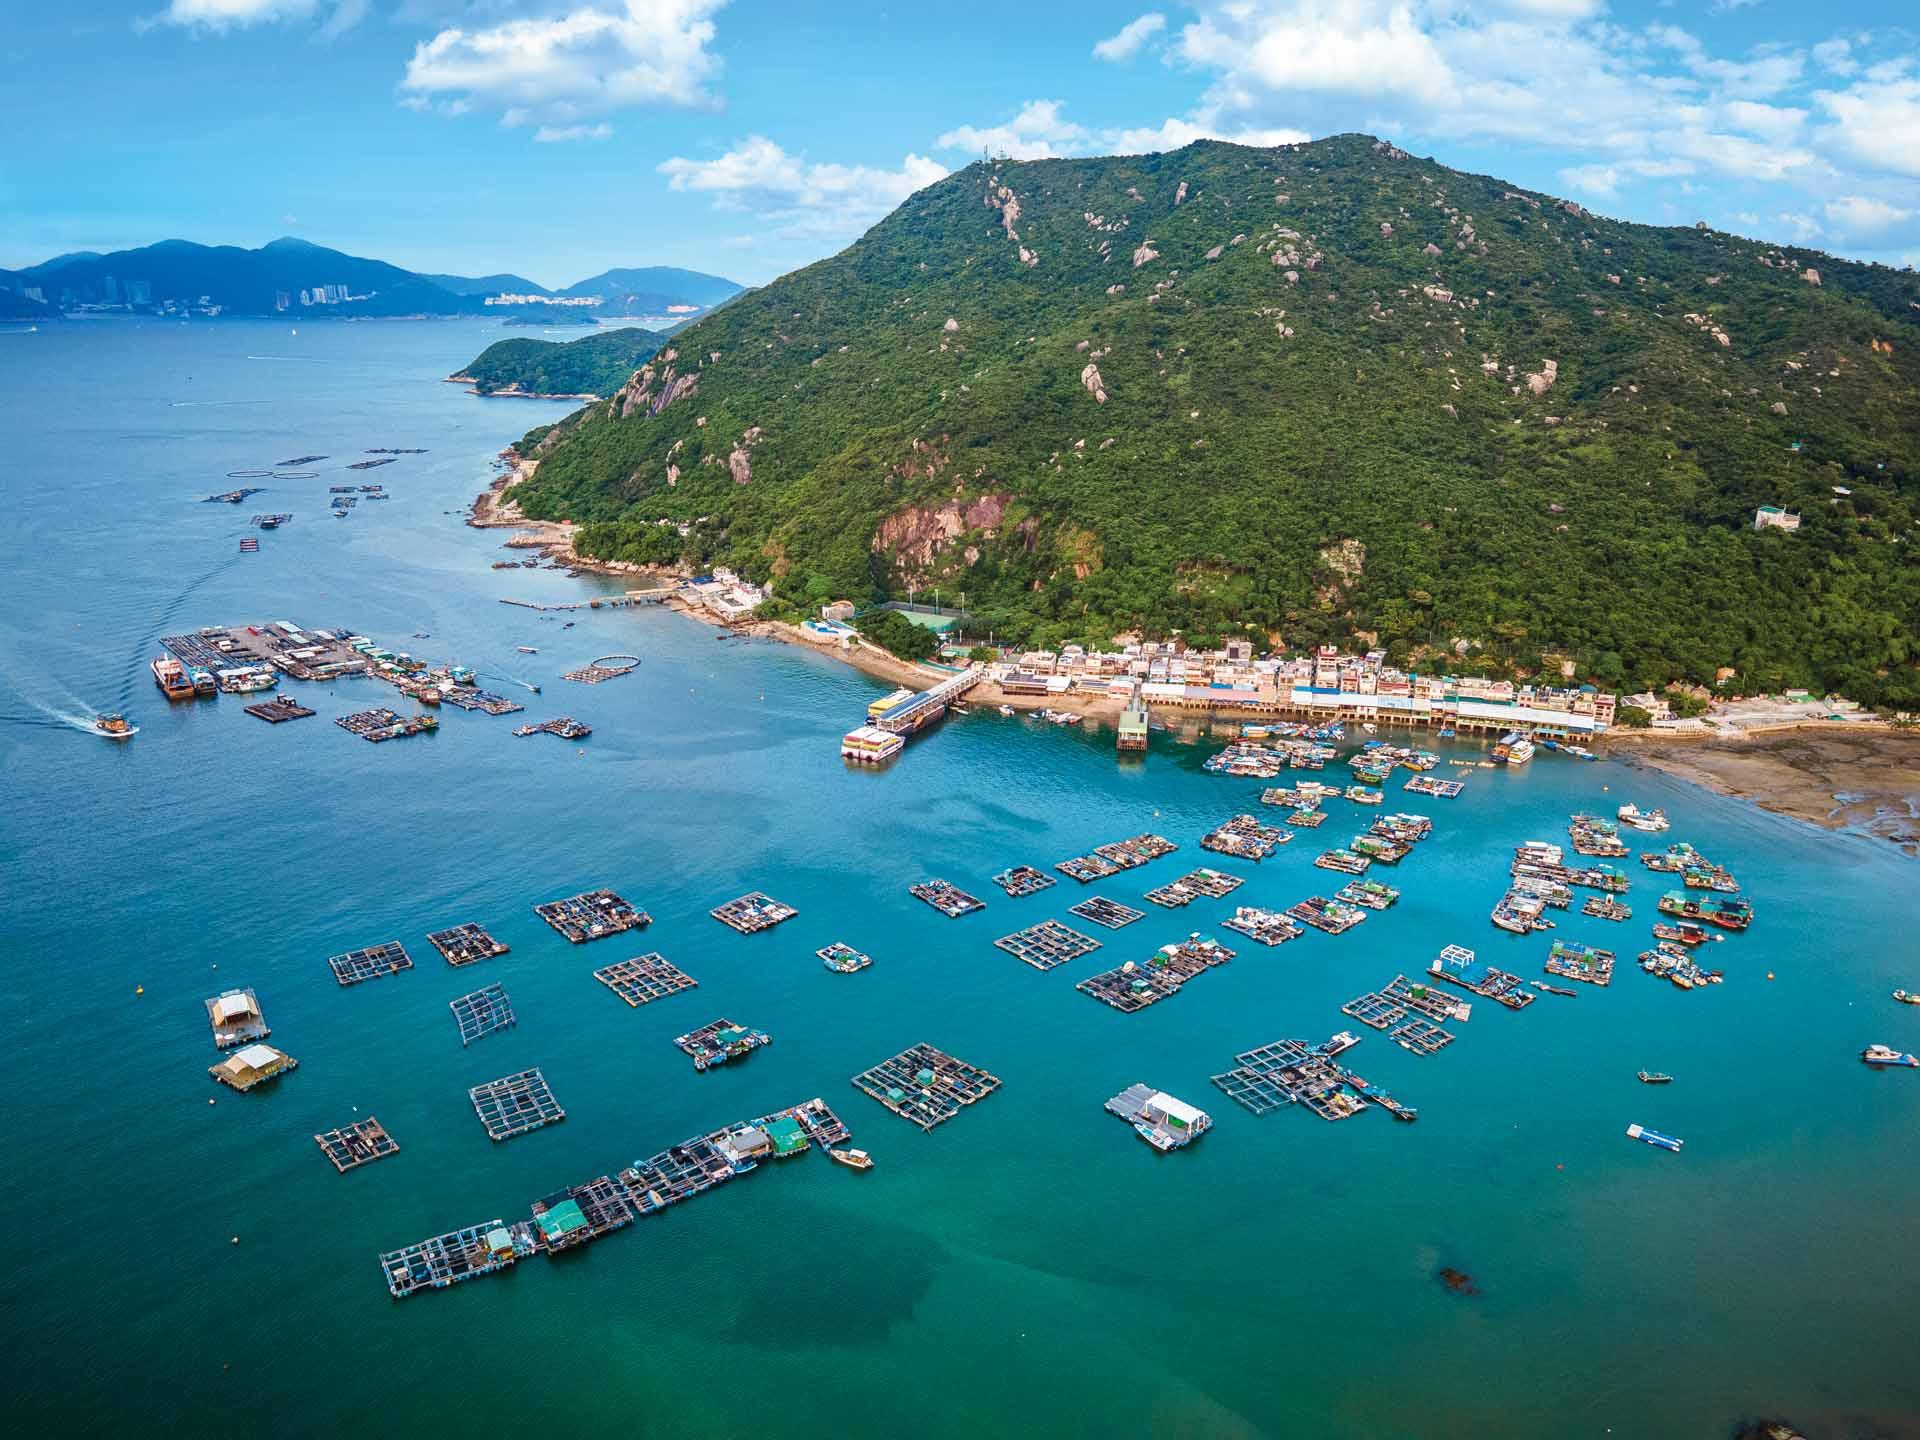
x,y
556,138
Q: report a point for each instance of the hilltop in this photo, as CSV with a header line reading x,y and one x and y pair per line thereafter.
x,y
1323,392
592,365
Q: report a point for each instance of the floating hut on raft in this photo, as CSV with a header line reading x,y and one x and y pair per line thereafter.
x,y
255,1065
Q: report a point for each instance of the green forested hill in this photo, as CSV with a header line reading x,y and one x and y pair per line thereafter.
x,y
1317,392
592,365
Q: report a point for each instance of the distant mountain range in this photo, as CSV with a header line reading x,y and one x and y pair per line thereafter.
x,y
289,276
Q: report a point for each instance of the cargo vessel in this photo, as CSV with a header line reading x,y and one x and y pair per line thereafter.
x,y
171,676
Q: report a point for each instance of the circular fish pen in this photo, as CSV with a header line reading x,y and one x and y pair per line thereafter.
x,y
249,474
618,664
604,667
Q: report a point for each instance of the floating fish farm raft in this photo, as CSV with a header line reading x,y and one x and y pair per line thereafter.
x,y
1195,885
1344,861
1605,907
1671,962
482,1012
592,915
566,727
269,522
236,1019
515,1105
606,667
581,1214
1418,995
1292,1072
1158,1118
1731,913
1136,850
276,711
719,1041
485,701
381,723
1433,785
355,1145
458,1255
1580,962
297,461
645,979
1110,913
950,900
1367,894
233,497
1245,837
1458,965
252,1065
370,464
1087,868
1307,819
372,963
1023,880
925,1085
1269,927
1421,1037
753,913
1047,944
1330,916
1132,987
249,545
464,944
842,958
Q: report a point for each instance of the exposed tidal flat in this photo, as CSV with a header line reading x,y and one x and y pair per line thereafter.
x,y
1028,1267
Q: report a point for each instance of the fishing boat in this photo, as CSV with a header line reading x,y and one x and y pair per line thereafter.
x,y
852,1159
203,681
1648,820
1906,997
1654,1077
1006,711
1887,1055
526,650
171,676
114,726
1683,933
1654,1137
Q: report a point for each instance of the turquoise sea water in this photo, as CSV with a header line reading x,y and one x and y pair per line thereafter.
x,y
1027,1267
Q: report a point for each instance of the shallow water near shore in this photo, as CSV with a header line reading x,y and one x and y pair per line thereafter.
x,y
1028,1266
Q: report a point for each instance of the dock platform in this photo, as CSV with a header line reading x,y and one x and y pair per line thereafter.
x,y
276,712
352,1146
1047,944
372,963
1195,885
752,913
515,1105
464,944
950,900
593,915
926,1086
482,1012
645,979
1023,880
1109,913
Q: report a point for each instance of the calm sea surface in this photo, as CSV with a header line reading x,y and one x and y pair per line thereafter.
x,y
1027,1267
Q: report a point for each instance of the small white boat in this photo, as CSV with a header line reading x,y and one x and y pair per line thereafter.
x,y
1007,710
1906,997
1654,1138
1649,820
1887,1055
852,1159
526,650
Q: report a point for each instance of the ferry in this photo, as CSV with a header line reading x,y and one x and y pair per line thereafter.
x,y
1520,752
1648,820
1654,1137
172,679
114,726
1887,1055
870,745
853,1159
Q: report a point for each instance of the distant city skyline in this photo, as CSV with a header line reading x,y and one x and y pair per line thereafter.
x,y
746,139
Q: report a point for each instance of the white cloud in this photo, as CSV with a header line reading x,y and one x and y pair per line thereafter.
x,y
1036,133
561,134
1125,45
590,61
1365,47
1858,216
1835,56
221,15
1174,132
797,198
1801,228
1600,182
1875,122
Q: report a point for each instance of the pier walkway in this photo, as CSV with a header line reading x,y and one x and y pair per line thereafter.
x,y
929,705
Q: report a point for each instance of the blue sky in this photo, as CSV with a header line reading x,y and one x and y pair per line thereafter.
x,y
746,138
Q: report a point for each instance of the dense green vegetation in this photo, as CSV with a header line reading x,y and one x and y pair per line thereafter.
x,y
1318,424
592,365
893,631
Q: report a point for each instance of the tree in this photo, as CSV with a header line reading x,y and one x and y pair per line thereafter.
x,y
1632,717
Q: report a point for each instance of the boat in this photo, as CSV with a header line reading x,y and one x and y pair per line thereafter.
x,y
1683,933
1060,717
1654,1137
852,1159
114,726
526,650
1654,1077
870,745
1648,820
1906,997
171,676
1006,711
1370,729
1887,1055
203,681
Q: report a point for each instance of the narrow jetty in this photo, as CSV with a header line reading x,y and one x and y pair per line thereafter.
x,y
950,900
926,1086
482,1012
1195,885
592,915
515,1105
1047,944
645,979
236,1019
752,913
464,944
372,963
361,1143
719,1041
1109,913
1023,880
